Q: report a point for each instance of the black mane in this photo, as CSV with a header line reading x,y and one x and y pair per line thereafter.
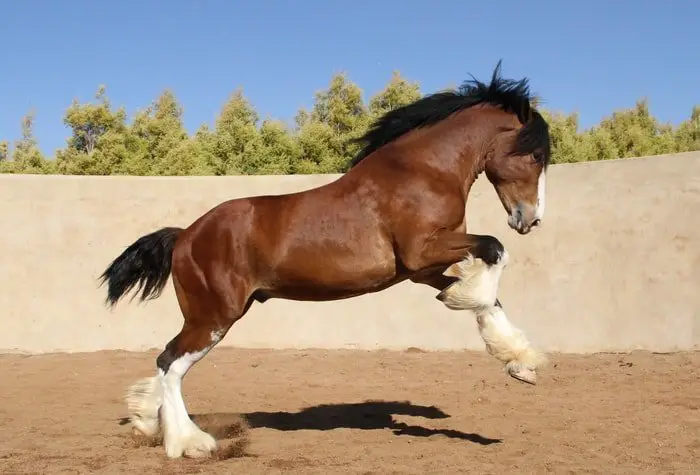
x,y
510,95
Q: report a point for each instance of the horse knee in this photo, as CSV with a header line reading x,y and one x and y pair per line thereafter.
x,y
490,250
476,287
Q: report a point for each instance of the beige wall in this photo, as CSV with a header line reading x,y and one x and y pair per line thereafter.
x,y
615,265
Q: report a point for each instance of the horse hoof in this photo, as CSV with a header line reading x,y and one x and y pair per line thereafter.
x,y
198,453
524,375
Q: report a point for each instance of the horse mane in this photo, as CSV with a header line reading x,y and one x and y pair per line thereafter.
x,y
508,94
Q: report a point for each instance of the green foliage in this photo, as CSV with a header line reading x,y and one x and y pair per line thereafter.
x,y
235,143
26,156
159,137
156,142
687,137
4,154
399,92
628,133
100,140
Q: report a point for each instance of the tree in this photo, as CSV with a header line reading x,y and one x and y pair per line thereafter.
x,y
236,141
340,106
98,144
279,151
5,164
159,132
568,145
687,137
399,92
186,159
4,151
337,116
26,156
635,132
319,148
320,141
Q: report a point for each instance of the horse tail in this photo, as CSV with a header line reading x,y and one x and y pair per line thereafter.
x,y
146,263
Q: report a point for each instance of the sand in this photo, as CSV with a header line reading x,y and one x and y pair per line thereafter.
x,y
361,412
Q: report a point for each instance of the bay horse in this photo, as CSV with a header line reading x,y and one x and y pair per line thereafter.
x,y
398,213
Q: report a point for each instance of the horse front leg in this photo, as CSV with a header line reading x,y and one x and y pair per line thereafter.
x,y
472,284
476,289
508,344
465,267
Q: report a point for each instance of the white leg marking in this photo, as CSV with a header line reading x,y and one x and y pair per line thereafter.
x,y
508,344
181,434
143,400
477,291
477,287
215,337
541,188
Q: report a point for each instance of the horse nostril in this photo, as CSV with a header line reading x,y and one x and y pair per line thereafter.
x,y
536,222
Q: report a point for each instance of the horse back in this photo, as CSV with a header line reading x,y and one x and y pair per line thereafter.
x,y
330,241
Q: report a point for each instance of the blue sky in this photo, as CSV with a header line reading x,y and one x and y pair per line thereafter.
x,y
591,57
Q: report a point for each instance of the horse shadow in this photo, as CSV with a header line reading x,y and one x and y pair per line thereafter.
x,y
368,415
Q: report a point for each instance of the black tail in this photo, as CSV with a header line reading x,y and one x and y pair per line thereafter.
x,y
147,262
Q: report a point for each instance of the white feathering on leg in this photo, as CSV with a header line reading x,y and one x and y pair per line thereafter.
x,y
143,400
477,290
181,434
506,342
477,287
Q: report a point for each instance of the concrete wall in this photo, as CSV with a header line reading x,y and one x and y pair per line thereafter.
x,y
614,267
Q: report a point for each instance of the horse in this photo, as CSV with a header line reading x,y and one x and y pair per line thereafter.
x,y
398,213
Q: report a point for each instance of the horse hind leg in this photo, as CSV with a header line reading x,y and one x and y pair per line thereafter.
x,y
476,289
158,401
181,436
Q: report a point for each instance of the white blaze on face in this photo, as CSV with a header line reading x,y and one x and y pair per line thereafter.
x,y
539,211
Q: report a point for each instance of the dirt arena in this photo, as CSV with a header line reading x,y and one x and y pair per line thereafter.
x,y
361,412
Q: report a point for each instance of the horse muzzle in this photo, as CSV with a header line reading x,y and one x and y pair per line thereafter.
x,y
523,221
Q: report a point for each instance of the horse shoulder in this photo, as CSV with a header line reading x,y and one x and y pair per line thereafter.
x,y
419,214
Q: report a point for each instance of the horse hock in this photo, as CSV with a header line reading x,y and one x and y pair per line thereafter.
x,y
477,291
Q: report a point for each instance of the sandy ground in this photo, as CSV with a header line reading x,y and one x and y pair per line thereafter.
x,y
361,412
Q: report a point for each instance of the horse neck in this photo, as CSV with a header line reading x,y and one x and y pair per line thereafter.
x,y
456,148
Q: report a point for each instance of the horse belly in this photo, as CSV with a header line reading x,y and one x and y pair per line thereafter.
x,y
326,243
332,274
